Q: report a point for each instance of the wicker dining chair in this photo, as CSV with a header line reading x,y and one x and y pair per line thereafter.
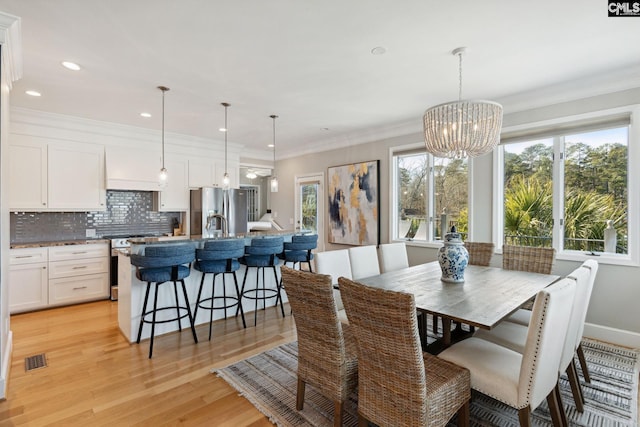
x,y
398,384
479,252
528,258
327,358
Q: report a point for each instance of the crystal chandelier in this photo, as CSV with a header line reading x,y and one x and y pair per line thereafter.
x,y
463,128
164,176
274,177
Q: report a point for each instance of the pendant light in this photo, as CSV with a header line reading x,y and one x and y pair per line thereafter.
x,y
274,178
164,176
225,178
463,128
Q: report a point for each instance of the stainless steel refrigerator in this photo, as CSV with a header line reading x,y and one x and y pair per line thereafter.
x,y
211,207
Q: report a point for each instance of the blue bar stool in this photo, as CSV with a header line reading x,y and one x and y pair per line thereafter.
x,y
162,264
299,250
263,253
219,257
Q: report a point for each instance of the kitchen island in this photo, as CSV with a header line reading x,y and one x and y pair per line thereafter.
x,y
131,290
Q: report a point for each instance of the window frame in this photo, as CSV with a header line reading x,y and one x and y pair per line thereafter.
x,y
393,186
632,258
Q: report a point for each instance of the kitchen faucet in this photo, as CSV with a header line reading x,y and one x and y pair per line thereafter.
x,y
210,223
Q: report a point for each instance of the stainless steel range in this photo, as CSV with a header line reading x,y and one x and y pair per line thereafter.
x,y
119,244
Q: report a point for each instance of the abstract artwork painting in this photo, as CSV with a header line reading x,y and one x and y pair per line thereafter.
x,y
353,203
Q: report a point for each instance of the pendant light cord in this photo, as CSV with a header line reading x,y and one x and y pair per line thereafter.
x,y
226,130
163,89
274,117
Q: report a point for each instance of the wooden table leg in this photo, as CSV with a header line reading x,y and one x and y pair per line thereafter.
x,y
446,332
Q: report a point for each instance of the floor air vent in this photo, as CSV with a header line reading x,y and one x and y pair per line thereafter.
x,y
35,362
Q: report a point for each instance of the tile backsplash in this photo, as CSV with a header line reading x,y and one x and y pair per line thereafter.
x,y
127,213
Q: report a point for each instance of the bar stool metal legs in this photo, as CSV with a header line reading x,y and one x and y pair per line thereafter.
x,y
153,312
262,294
236,301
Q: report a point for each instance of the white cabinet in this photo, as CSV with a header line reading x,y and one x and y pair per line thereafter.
x,y
175,196
28,284
209,173
28,176
57,275
202,173
46,175
76,177
130,168
78,273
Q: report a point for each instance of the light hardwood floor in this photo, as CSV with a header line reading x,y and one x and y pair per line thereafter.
x,y
95,377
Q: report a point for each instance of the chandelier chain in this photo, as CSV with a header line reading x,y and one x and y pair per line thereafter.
x,y
460,76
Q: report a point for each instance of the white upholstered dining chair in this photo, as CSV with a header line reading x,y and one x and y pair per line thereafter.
x,y
335,264
513,335
523,380
393,256
364,261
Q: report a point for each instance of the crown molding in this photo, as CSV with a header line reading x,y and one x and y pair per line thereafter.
x,y
11,41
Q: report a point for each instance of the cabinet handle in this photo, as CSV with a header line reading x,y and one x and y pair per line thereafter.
x,y
44,268
44,204
79,288
24,256
78,253
79,267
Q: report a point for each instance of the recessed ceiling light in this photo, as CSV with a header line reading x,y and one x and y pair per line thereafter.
x,y
378,50
71,65
222,129
145,115
270,145
33,93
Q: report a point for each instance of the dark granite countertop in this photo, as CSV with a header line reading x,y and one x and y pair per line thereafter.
x,y
199,238
56,243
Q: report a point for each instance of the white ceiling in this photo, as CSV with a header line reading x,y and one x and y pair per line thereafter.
x,y
310,62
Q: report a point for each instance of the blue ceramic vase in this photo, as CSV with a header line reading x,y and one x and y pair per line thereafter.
x,y
453,258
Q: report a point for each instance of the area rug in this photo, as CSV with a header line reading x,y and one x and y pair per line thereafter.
x,y
268,381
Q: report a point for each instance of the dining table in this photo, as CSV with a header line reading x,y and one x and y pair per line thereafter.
x,y
487,296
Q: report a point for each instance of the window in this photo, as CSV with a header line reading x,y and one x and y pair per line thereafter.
x,y
430,194
568,186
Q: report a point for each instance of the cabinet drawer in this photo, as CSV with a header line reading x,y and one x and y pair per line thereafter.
x,y
76,289
27,256
79,267
74,252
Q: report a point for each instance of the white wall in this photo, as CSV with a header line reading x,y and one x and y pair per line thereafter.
x,y
10,70
614,304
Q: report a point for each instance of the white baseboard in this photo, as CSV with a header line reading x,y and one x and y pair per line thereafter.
x,y
612,335
6,366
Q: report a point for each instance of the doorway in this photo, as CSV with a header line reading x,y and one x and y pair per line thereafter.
x,y
309,214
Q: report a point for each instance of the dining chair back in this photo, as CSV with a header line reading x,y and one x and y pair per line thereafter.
x,y
523,380
592,265
480,253
528,258
327,358
364,261
393,256
398,384
335,264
